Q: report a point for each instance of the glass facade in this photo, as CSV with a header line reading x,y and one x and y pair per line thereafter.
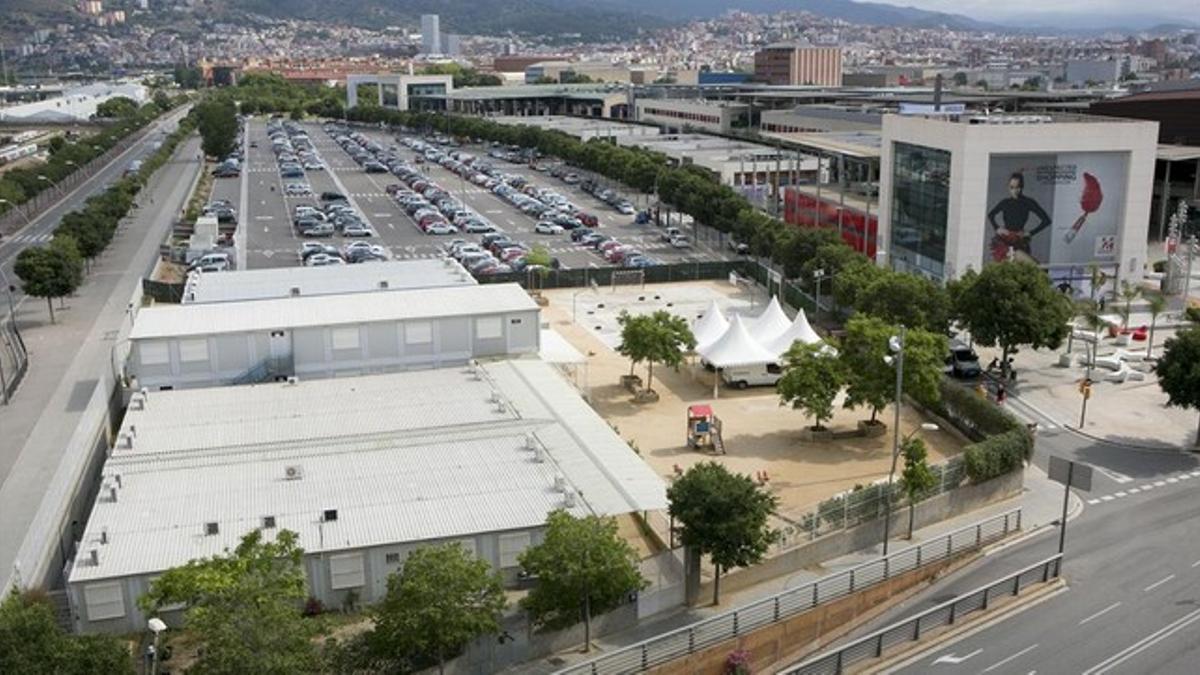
x,y
920,209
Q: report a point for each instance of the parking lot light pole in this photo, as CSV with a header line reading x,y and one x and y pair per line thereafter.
x,y
896,360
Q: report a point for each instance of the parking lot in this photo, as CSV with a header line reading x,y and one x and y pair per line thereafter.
x,y
270,240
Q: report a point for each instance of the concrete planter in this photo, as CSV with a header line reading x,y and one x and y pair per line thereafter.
x,y
869,429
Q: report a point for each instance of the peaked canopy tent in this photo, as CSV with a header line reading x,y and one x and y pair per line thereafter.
x,y
770,324
709,327
799,331
735,348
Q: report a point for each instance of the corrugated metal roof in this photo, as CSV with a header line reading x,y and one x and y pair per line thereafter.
x,y
163,321
279,282
404,457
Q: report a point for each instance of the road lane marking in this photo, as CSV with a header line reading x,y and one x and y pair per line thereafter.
x,y
1101,613
1159,483
1158,583
1108,498
1196,564
1093,502
1121,494
952,659
1143,644
1147,487
1186,476
1196,473
1116,476
1011,658
1172,480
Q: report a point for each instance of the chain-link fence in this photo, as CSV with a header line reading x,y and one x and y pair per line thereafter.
x,y
877,645
603,276
14,360
860,505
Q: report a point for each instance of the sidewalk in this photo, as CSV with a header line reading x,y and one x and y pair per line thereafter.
x,y
68,359
1040,503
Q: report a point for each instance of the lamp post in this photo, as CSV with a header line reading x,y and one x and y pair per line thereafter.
x,y
818,277
156,626
16,208
895,360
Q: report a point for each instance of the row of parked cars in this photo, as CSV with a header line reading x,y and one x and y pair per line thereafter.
x,y
612,250
335,215
294,151
317,254
495,253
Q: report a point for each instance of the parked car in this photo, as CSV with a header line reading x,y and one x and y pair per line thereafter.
x,y
680,242
357,230
670,233
441,228
547,227
962,361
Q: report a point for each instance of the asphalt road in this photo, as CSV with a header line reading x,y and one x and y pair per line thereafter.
x,y
271,242
1132,566
39,230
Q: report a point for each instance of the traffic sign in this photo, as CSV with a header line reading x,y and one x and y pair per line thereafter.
x,y
1079,476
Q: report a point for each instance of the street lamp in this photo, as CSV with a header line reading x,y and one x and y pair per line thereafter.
x,y
819,276
17,208
156,626
895,360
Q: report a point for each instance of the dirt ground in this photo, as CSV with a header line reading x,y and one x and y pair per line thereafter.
x,y
760,436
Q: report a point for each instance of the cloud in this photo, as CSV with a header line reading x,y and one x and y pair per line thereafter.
x,y
991,9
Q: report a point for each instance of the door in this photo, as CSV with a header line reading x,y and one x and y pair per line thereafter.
x,y
280,363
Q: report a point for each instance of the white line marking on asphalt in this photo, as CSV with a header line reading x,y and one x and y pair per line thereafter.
x,y
1147,486
1093,502
1158,583
391,225
1014,656
1116,476
1101,613
1196,564
1134,491
1172,480
1196,474
382,215
1186,476
1108,498
1121,494
1143,644
1159,483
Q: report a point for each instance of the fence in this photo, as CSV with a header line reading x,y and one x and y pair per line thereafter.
x,y
861,505
584,276
14,360
876,645
688,640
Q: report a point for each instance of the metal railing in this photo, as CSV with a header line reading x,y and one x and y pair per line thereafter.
x,y
876,645
690,639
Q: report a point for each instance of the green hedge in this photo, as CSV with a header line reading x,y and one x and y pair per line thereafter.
x,y
1003,442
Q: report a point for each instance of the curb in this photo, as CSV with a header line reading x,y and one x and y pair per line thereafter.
x,y
920,649
1159,449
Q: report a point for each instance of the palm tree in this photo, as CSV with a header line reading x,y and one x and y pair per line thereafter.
x,y
1129,293
1158,304
1095,323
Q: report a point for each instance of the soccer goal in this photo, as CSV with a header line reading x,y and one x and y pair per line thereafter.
x,y
628,278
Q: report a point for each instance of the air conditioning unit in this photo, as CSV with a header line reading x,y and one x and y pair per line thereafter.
x,y
569,498
294,292
293,472
94,556
560,483
293,380
531,442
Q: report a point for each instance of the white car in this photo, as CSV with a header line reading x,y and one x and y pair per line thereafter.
x,y
323,259
441,228
547,227
680,241
297,189
357,230
374,249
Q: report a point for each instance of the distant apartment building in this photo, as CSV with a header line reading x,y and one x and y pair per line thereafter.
x,y
431,35
792,64
1097,71
517,63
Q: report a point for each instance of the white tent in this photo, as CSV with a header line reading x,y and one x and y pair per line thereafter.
x,y
770,324
736,348
800,330
710,327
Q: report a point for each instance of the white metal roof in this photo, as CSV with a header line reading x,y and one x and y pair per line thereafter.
x,y
284,282
162,321
406,457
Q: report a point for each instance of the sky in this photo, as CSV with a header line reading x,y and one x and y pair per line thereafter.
x,y
996,9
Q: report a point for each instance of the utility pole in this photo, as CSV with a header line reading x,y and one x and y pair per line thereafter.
x,y
1187,277
896,346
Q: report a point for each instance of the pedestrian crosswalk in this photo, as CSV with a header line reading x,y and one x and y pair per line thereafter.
x,y
30,238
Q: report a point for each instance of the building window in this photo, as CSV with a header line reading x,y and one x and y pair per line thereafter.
x,y
418,333
511,546
268,522
920,208
154,353
346,571
192,351
391,558
345,338
104,601
488,328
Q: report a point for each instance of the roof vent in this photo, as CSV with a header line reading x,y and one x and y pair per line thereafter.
x,y
112,494
501,407
531,442
560,483
539,455
383,285
104,535
293,472
496,396
94,556
117,477
211,529
294,292
125,441
293,380
569,498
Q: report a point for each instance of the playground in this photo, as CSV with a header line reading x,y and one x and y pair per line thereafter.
x,y
760,438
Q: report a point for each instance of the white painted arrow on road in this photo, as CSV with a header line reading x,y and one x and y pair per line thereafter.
x,y
952,659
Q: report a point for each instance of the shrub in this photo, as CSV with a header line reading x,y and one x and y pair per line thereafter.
x,y
998,455
313,607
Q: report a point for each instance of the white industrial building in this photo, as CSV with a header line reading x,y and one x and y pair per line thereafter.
x,y
738,164
682,115
290,282
364,469
397,90
583,128
77,104
200,345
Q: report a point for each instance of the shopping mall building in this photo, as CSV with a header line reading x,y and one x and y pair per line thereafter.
x,y
1064,191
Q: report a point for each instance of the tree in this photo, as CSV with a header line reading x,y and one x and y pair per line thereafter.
x,y
162,99
851,282
50,271
1013,303
898,297
583,567
1157,305
1129,293
872,382
917,478
441,599
217,122
243,607
1178,370
31,641
117,107
811,381
960,79
660,337
723,515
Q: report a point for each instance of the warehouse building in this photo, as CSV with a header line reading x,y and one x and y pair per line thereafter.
x,y
201,345
290,282
364,469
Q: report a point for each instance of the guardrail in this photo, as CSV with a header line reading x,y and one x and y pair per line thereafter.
x,y
876,644
687,640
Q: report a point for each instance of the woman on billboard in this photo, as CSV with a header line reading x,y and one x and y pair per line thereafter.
x,y
1010,239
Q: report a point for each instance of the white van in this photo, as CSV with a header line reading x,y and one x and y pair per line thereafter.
x,y
756,375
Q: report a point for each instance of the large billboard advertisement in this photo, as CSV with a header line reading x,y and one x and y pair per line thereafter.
x,y
1055,209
